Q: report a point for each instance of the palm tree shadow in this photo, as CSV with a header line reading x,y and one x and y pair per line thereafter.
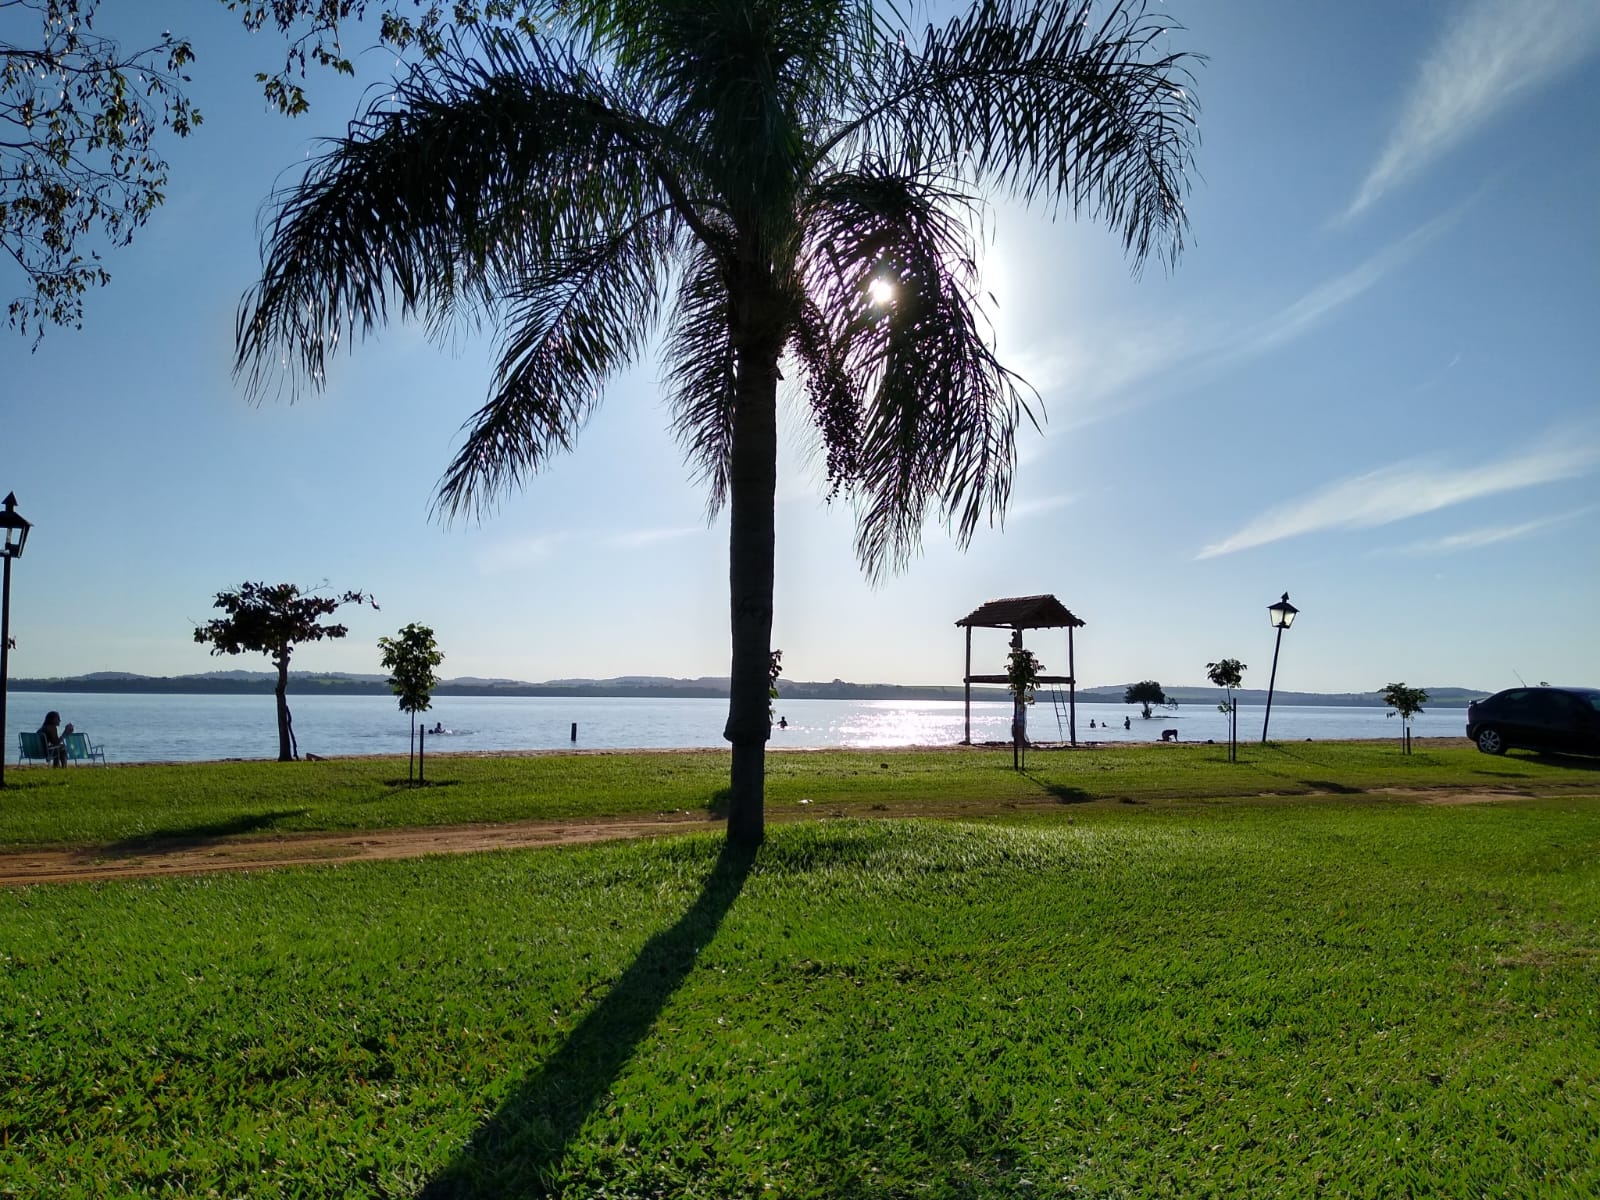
x,y
1332,787
719,803
518,1151
1062,792
196,835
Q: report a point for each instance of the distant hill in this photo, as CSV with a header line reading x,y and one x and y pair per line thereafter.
x,y
1442,697
622,686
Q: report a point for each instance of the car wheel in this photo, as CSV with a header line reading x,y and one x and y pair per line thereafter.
x,y
1490,741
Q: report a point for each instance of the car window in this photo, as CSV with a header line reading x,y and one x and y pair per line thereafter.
x,y
1513,703
1541,706
1594,700
1563,707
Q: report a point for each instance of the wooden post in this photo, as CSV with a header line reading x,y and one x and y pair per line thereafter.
x,y
967,679
574,731
1019,715
1072,691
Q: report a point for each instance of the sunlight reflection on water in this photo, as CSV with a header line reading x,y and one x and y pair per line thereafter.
x,y
164,728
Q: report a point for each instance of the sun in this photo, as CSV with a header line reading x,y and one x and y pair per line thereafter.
x,y
880,292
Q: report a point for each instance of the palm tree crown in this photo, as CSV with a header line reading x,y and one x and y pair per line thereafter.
x,y
754,179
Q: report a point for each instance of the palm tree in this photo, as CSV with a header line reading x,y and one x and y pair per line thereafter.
x,y
757,179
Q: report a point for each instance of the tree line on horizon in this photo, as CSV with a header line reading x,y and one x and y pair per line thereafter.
x,y
334,682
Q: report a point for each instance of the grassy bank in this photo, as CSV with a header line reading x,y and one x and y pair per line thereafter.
x,y
1297,998
95,806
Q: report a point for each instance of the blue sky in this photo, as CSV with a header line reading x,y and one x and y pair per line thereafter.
x,y
1370,381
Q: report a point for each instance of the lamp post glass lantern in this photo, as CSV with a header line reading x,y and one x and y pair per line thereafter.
x,y
1282,616
15,529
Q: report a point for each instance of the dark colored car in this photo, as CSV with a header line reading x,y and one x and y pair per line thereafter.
x,y
1563,720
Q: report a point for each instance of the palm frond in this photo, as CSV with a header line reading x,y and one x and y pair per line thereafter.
x,y
917,412
751,82
569,328
701,375
1036,97
444,197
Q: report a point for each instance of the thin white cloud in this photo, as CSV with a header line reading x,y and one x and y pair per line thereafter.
x,y
638,538
1406,490
519,554
1326,299
1489,535
1044,504
1100,363
1439,376
1095,367
1493,51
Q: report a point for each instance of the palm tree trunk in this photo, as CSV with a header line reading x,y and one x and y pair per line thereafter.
x,y
752,493
285,754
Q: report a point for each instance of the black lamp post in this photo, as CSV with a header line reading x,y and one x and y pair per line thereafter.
x,y
1282,614
15,529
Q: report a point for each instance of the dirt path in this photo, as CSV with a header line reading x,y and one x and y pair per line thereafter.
x,y
192,856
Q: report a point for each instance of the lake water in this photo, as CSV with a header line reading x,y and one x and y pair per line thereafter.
x,y
170,728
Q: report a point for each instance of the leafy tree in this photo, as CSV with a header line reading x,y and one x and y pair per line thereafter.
x,y
1229,674
1022,677
273,620
774,669
411,659
1145,693
82,119
313,29
768,181
79,119
1404,702
1022,674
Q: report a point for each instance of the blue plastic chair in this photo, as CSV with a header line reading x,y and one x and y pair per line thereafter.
x,y
32,748
81,749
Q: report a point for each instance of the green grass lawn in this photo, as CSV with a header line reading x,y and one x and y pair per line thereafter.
x,y
101,805
1351,995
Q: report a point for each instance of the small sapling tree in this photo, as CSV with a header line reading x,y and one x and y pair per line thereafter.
x,y
1228,674
273,619
1405,703
1145,693
410,659
1022,677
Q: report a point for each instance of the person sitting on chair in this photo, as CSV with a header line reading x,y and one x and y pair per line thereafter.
x,y
55,746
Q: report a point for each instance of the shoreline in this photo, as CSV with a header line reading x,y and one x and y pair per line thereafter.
x,y
929,748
